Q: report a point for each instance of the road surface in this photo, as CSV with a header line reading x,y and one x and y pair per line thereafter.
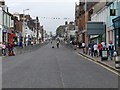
x,y
54,68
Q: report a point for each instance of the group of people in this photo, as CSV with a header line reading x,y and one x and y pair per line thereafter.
x,y
94,49
7,49
57,43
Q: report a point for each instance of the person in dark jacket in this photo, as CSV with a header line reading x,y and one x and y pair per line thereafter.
x,y
92,47
111,49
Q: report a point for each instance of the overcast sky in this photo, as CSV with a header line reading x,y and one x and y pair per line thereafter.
x,y
46,10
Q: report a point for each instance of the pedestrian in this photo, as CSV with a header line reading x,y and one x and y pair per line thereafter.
x,y
13,50
51,41
89,49
4,48
92,48
104,47
83,47
0,48
32,43
21,44
58,43
9,46
75,45
103,44
95,49
100,49
80,45
111,49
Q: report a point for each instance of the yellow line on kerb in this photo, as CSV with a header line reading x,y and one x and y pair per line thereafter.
x,y
115,72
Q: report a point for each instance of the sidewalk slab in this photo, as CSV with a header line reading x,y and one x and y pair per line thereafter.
x,y
109,63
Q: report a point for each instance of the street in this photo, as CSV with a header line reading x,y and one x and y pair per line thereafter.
x,y
54,68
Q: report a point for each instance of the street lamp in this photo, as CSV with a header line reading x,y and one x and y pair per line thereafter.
x,y
24,24
25,10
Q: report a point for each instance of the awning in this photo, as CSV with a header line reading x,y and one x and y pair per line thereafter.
x,y
95,28
82,31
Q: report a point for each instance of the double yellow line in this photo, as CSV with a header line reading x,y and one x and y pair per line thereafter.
x,y
113,71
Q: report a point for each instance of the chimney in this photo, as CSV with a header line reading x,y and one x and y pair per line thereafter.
x,y
2,2
66,23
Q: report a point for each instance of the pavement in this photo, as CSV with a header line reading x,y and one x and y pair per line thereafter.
x,y
109,63
19,50
49,67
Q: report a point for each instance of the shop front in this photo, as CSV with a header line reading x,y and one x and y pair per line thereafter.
x,y
116,24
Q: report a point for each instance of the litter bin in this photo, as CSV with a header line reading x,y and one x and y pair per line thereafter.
x,y
117,62
104,55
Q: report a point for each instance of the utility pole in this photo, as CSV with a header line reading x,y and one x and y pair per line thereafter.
x,y
37,27
24,25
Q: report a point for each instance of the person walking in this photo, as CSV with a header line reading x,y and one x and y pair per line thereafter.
x,y
80,45
83,46
89,49
95,49
103,44
51,41
111,49
100,49
9,46
4,48
92,48
58,43
21,44
0,48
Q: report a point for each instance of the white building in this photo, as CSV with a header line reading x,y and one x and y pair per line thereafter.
x,y
6,23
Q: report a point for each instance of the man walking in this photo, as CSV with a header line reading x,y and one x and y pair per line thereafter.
x,y
58,43
111,49
92,48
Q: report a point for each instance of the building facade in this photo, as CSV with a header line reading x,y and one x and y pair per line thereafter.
x,y
6,24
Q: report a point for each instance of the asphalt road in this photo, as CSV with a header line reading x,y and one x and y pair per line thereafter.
x,y
54,68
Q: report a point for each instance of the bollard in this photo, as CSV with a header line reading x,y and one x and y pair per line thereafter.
x,y
117,62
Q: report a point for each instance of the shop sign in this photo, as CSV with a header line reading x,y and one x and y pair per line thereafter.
x,y
104,54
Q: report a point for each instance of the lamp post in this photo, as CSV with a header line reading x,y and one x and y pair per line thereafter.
x,y
25,33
